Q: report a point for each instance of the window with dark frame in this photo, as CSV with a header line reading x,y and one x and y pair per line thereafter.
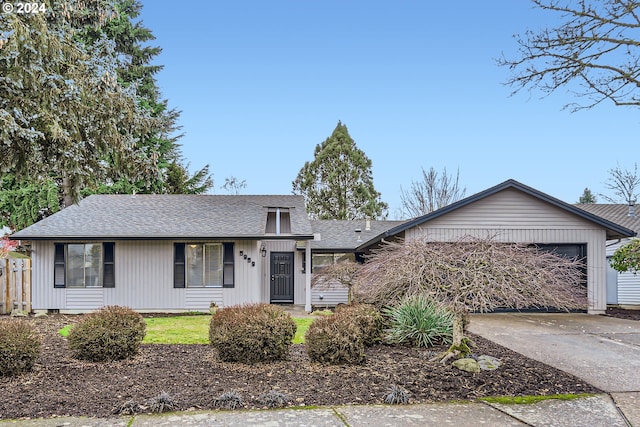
x,y
208,264
84,265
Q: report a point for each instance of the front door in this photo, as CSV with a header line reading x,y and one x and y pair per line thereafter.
x,y
281,277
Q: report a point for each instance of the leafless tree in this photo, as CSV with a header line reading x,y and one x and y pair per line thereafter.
x,y
339,274
431,193
594,52
233,185
471,275
625,185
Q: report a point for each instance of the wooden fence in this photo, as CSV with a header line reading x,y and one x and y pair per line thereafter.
x,y
15,285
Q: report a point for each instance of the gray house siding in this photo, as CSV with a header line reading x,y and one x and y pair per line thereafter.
x,y
144,281
512,216
626,285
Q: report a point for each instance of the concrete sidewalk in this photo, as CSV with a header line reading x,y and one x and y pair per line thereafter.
x,y
596,411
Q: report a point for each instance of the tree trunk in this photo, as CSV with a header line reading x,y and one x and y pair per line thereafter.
x,y
67,197
458,330
460,345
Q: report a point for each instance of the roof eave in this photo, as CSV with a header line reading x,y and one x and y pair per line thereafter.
x,y
168,237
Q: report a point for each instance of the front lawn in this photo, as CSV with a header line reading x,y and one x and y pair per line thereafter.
x,y
192,329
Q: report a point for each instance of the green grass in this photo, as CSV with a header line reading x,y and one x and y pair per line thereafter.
x,y
527,400
303,324
191,329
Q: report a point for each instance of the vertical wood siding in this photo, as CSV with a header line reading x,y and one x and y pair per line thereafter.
x,y
299,290
144,281
246,277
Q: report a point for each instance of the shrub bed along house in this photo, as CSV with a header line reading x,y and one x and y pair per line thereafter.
x,y
342,337
251,333
19,347
111,333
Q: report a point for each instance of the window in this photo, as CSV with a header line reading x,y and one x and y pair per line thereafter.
x,y
278,221
320,260
84,265
203,264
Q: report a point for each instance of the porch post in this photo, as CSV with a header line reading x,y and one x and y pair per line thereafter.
x,y
307,277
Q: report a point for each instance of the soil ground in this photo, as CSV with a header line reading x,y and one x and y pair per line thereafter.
x,y
194,378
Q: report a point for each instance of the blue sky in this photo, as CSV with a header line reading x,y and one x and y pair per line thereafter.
x,y
260,84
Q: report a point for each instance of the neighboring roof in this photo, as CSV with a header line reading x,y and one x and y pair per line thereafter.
x,y
618,213
614,230
338,235
163,216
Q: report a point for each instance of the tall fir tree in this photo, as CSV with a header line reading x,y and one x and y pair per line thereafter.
x,y
80,110
338,183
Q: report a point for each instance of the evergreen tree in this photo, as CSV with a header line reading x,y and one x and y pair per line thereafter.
x,y
80,110
62,111
338,183
166,165
587,197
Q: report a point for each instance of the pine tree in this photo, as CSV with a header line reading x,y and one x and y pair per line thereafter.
x,y
587,197
338,183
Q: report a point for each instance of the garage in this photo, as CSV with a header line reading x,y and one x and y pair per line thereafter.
x,y
515,213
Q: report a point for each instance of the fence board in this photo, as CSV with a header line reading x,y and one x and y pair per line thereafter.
x,y
15,285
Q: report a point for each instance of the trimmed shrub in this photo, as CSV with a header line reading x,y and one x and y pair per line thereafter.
x,y
335,340
19,347
420,322
111,333
252,333
368,317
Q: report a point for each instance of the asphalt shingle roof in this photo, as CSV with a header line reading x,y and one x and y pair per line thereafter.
x,y
618,213
169,216
342,235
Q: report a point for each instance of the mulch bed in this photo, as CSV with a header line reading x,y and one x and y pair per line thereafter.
x,y
194,377
622,313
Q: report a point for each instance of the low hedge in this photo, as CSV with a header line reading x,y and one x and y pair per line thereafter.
x,y
19,347
111,333
251,333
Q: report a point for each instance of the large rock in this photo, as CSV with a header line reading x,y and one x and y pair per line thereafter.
x,y
488,363
467,364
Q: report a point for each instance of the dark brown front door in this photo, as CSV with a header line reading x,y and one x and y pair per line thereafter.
x,y
282,277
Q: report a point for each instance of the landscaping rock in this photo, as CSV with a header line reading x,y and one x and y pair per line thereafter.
x,y
467,365
488,363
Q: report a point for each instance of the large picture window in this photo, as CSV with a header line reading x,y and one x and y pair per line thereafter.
x,y
84,265
203,264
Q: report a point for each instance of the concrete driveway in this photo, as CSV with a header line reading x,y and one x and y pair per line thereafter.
x,y
603,351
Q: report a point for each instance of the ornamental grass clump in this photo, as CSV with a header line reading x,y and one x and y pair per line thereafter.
x,y
252,333
335,340
420,322
368,317
19,347
111,333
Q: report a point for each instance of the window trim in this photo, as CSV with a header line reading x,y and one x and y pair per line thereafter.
x,y
60,265
180,265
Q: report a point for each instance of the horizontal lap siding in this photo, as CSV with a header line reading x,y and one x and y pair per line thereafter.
x,y
200,299
331,297
628,288
511,216
84,299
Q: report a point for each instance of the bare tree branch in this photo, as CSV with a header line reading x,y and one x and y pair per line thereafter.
x,y
594,52
430,194
625,185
